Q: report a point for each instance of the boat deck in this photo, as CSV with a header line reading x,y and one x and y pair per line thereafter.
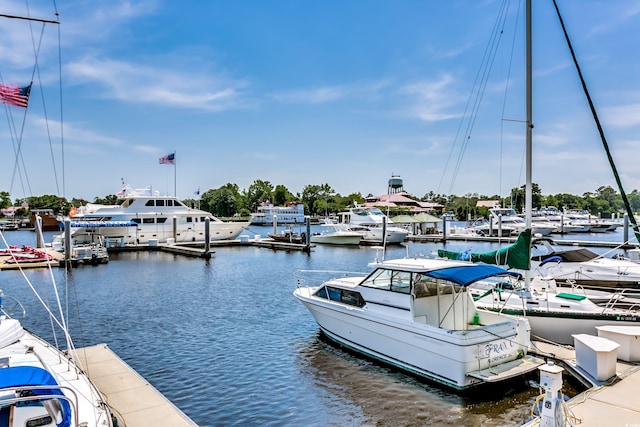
x,y
132,398
613,403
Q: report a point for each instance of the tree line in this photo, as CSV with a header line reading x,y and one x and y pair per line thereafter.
x,y
321,200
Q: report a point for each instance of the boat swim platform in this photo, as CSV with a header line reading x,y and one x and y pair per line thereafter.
x,y
610,403
133,399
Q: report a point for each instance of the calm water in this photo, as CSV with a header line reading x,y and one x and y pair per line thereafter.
x,y
226,341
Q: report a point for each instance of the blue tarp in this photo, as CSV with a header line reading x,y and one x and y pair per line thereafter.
x,y
25,376
468,274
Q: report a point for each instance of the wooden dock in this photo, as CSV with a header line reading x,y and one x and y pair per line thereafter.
x,y
136,402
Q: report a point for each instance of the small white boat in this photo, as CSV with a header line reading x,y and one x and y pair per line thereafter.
x,y
336,234
583,266
416,314
374,225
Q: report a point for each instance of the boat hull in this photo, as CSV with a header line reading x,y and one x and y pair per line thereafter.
x,y
445,356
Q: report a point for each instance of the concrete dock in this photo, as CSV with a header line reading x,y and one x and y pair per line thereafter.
x,y
611,403
136,402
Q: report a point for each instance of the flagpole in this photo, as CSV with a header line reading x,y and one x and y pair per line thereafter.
x,y
175,167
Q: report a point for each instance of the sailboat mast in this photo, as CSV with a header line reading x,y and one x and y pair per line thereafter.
x,y
528,191
528,198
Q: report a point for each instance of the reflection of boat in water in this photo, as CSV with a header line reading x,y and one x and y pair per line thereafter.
x,y
416,314
142,217
336,234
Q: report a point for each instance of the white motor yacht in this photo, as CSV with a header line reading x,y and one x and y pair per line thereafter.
x,y
417,315
371,222
334,233
142,217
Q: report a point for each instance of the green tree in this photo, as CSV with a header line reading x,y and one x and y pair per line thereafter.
x,y
282,195
5,200
259,191
313,193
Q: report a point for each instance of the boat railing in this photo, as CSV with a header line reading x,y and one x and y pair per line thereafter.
x,y
624,299
311,278
14,395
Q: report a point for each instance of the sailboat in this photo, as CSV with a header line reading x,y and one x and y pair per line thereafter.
x,y
554,313
42,384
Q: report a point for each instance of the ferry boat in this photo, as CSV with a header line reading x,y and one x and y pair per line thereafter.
x,y
290,213
142,218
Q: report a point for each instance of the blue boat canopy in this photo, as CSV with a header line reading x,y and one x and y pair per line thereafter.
x,y
467,274
98,224
25,376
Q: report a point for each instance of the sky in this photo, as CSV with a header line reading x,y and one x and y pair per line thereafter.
x,y
296,93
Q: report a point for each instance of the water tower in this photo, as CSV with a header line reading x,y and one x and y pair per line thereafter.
x,y
395,185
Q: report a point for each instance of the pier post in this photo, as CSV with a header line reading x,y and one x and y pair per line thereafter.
x,y
275,224
175,228
207,242
384,231
38,229
307,237
444,229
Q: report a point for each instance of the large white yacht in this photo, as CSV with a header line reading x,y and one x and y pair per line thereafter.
x,y
142,217
416,314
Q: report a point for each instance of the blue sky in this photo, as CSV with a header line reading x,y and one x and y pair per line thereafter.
x,y
311,92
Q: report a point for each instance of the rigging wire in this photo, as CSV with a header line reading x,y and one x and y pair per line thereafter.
x,y
592,107
476,95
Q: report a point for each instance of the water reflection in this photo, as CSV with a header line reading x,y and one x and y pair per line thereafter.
x,y
367,393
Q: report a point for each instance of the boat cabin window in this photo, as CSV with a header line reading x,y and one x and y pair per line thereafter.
x,y
159,202
147,220
149,203
341,295
425,286
136,220
390,280
189,219
161,220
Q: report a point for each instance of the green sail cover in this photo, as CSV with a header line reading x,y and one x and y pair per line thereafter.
x,y
516,255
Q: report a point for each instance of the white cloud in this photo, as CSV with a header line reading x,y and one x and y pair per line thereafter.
x,y
136,83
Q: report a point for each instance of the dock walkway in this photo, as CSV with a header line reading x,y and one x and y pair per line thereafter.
x,y
612,403
136,402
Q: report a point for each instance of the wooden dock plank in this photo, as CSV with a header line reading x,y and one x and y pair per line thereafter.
x,y
136,401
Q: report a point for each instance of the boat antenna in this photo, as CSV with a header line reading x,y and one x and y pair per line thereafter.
x,y
627,205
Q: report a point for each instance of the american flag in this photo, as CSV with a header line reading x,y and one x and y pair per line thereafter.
x,y
169,159
14,95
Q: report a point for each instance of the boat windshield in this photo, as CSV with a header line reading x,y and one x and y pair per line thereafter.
x,y
389,280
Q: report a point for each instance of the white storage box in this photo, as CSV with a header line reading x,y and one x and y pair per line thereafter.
x,y
596,355
627,336
153,242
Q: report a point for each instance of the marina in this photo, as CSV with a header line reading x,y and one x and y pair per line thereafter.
x,y
225,338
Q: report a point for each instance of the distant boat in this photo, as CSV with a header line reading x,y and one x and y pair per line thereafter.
x,y
334,233
142,217
50,221
370,222
288,235
290,213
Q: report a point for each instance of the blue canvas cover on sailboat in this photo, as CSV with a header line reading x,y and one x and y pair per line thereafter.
x,y
25,376
465,275
517,255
